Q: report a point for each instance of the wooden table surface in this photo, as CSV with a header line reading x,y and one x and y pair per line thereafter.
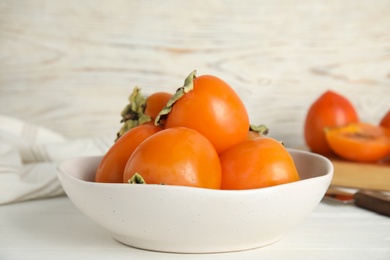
x,y
70,66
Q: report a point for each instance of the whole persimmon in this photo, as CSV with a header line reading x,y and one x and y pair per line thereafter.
x,y
210,106
257,163
329,110
112,165
175,156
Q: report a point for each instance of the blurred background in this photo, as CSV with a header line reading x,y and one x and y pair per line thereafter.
x,y
69,65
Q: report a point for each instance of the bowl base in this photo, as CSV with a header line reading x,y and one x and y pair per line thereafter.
x,y
205,249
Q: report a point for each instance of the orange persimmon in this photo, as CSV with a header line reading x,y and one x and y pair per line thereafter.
x,y
385,121
155,102
111,167
360,142
175,156
210,106
329,110
257,163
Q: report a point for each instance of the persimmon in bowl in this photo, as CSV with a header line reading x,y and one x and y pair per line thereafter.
x,y
196,220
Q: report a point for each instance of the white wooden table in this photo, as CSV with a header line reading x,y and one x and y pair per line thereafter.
x,y
70,65
55,229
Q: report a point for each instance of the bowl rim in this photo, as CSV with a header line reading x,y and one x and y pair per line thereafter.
x,y
327,175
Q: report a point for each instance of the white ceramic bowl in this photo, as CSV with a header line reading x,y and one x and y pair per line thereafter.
x,y
194,220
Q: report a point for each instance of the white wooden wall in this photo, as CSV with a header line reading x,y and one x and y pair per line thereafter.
x,y
70,65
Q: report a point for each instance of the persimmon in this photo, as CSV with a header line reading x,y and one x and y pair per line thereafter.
x,y
112,165
385,121
257,163
329,110
175,156
360,142
155,102
210,106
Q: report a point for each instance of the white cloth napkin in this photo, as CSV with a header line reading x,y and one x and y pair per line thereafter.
x,y
29,156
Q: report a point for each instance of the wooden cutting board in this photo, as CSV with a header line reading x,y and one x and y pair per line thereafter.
x,y
361,175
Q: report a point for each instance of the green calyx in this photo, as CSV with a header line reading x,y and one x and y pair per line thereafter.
x,y
260,129
133,114
137,179
187,87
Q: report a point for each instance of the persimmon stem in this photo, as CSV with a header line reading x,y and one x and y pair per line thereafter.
x,y
187,87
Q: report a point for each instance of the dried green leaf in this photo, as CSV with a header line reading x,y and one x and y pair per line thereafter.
x,y
133,113
137,179
187,87
260,129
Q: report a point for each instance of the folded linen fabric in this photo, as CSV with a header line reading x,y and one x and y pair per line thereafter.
x,y
29,156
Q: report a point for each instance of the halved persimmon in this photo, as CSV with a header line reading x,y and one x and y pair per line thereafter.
x,y
360,142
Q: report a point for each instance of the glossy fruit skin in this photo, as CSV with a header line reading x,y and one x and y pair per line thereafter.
x,y
176,156
112,165
213,109
385,121
257,163
360,142
329,110
155,102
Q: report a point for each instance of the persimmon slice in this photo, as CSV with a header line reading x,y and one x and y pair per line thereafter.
x,y
360,142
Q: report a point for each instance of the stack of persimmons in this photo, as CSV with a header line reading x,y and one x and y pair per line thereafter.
x,y
199,136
